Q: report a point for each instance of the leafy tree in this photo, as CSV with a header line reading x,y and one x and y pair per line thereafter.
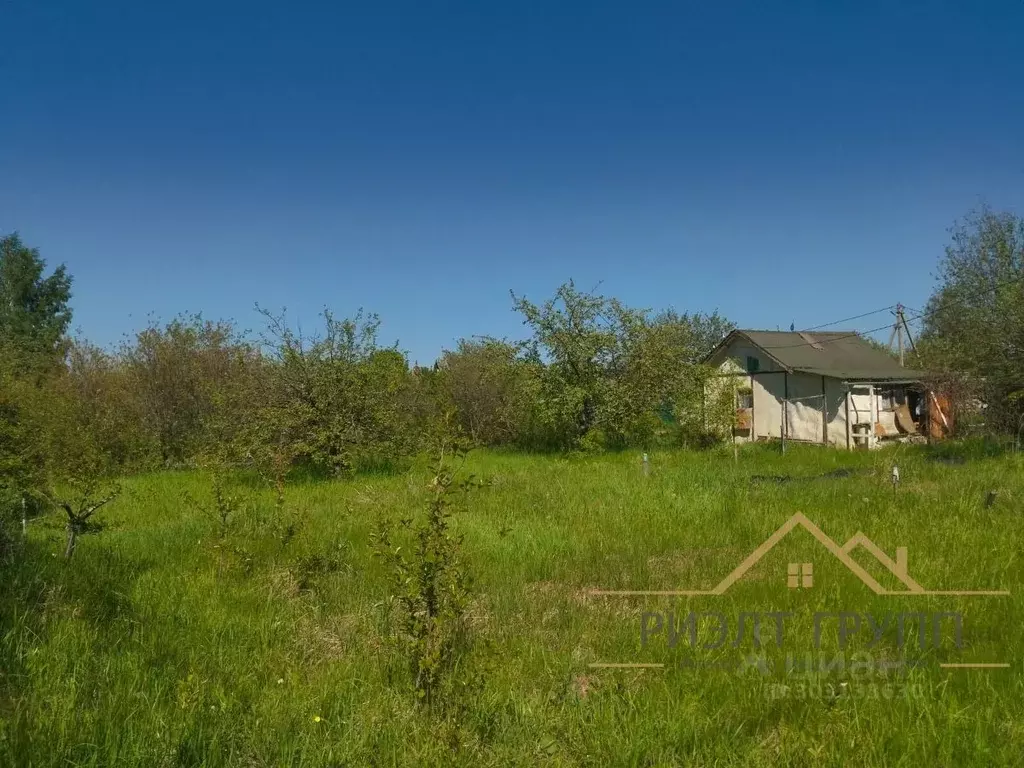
x,y
105,387
581,340
34,312
488,383
177,372
429,582
609,375
974,321
34,315
693,335
661,381
76,474
382,407
20,460
336,401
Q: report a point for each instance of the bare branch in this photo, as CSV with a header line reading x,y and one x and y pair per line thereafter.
x,y
92,508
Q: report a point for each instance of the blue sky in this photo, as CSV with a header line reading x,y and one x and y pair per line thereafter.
x,y
780,162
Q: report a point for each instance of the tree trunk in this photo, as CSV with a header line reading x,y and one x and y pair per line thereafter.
x,y
587,416
72,539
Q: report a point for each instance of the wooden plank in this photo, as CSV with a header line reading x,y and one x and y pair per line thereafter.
x,y
753,418
824,412
872,415
785,407
847,399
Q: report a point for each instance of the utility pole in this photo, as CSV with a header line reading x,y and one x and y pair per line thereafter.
x,y
906,328
899,327
899,331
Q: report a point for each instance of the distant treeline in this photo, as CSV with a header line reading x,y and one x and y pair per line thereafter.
x,y
592,374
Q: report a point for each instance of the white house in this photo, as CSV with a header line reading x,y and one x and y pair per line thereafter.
x,y
831,388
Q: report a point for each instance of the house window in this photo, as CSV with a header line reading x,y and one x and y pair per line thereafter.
x,y
744,398
753,364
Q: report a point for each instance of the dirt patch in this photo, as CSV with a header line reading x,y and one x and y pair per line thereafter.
x,y
583,685
329,640
478,613
282,583
835,474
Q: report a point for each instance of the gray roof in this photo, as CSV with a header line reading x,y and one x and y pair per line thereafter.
x,y
838,354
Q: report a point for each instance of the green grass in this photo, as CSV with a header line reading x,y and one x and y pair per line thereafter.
x,y
153,647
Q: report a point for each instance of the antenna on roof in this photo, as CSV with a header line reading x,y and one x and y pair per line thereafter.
x,y
792,327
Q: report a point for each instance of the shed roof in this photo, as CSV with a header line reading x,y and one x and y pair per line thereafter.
x,y
837,354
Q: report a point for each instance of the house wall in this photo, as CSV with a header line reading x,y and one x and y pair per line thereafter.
x,y
768,390
767,410
804,414
732,379
769,386
835,392
804,409
739,351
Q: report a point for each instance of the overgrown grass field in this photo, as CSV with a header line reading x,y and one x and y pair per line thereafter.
x,y
164,643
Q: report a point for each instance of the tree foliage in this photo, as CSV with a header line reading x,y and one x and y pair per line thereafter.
x,y
974,321
34,311
336,401
488,383
176,372
592,373
429,582
610,375
34,316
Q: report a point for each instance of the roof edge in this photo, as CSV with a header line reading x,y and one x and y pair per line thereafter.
x,y
745,334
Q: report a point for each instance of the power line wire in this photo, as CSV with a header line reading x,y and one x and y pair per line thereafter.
x,y
847,319
921,316
831,340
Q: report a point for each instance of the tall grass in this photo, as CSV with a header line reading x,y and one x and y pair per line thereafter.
x,y
164,644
